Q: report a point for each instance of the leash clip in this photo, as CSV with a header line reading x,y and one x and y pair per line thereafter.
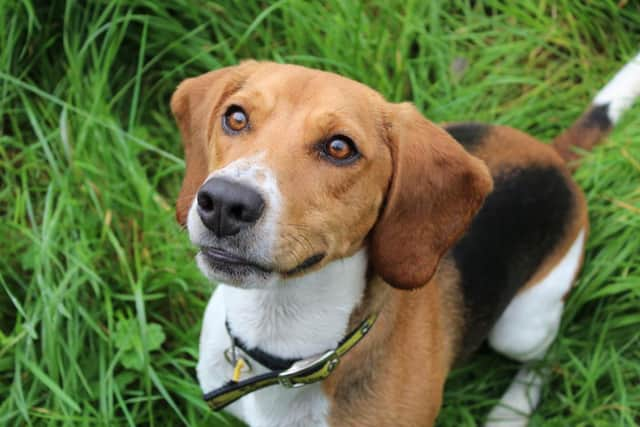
x,y
231,355
310,370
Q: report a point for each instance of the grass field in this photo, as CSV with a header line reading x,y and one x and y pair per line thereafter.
x,y
100,302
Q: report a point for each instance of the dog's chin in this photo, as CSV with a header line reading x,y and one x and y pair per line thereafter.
x,y
243,276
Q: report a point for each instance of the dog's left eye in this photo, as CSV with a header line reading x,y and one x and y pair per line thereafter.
x,y
235,119
340,149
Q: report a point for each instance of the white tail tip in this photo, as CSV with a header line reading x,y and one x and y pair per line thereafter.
x,y
621,91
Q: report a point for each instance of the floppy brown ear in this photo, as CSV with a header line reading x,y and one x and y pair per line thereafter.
x,y
192,105
436,189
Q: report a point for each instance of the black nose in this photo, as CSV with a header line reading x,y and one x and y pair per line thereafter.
x,y
227,207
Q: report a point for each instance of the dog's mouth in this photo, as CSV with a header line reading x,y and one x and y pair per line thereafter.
x,y
305,265
222,260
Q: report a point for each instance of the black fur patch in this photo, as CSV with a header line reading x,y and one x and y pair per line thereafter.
x,y
597,118
469,134
521,221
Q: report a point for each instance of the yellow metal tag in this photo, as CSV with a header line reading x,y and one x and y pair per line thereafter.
x,y
237,370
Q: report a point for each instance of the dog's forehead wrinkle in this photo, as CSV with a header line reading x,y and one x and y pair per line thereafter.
x,y
302,85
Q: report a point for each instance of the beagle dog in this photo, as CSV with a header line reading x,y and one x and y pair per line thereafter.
x,y
361,250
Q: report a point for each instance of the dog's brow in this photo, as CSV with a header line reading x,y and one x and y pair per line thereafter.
x,y
230,89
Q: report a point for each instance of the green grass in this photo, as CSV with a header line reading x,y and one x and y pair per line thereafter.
x,y
100,302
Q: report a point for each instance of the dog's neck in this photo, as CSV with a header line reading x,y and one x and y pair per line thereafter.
x,y
299,317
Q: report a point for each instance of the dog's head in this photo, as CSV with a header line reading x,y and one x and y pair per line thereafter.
x,y
288,169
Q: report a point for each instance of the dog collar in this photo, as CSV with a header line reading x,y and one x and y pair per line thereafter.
x,y
299,373
269,361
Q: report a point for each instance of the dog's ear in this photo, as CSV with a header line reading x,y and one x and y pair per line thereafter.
x,y
193,104
435,190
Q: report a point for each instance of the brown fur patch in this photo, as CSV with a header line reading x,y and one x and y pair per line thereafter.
x,y
590,128
396,375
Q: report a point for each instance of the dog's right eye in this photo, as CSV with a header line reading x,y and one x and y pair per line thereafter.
x,y
340,150
235,120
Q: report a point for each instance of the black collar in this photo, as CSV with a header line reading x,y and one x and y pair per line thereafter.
x,y
267,360
297,374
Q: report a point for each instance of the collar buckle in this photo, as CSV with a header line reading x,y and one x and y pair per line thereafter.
x,y
310,370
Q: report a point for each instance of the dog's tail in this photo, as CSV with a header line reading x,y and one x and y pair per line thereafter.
x,y
603,113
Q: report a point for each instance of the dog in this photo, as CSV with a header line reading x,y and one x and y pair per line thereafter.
x,y
362,251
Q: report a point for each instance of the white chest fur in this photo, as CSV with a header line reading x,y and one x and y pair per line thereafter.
x,y
292,319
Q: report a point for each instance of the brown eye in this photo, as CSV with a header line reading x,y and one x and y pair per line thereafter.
x,y
235,120
340,149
